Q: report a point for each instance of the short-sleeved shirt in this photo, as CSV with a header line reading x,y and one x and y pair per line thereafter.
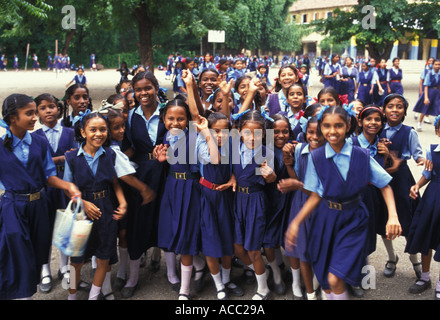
x,y
412,148
425,173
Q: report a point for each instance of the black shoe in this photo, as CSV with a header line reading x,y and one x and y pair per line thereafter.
x,y
119,284
234,290
128,292
356,292
198,284
390,268
249,276
420,286
219,296
175,286
237,262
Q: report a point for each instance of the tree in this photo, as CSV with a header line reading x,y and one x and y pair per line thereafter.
x,y
377,24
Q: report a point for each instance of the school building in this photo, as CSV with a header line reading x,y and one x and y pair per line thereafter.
x,y
306,11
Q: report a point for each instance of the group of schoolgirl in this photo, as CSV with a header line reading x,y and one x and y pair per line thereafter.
x,y
369,82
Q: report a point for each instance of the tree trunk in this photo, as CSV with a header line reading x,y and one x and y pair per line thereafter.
x,y
145,30
69,37
379,52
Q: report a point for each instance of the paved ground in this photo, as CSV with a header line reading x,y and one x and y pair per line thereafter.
x,y
154,286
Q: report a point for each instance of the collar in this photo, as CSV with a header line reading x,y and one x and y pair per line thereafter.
x,y
306,149
57,127
98,153
364,142
395,128
26,139
330,153
437,149
141,113
244,148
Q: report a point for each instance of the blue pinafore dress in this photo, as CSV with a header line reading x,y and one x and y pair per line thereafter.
x,y
332,82
379,99
365,87
179,221
348,87
98,189
337,238
401,183
433,108
396,81
217,212
143,221
25,236
424,232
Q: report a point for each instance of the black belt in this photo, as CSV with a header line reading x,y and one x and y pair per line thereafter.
x,y
30,197
185,175
344,205
248,190
438,88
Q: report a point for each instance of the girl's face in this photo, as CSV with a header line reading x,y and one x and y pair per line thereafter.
x,y
220,131
364,67
145,92
430,61
327,99
396,63
263,70
348,62
48,112
125,86
263,92
303,70
117,128
131,101
252,134
208,83
394,111
334,130
371,124
335,59
26,118
80,72
357,107
224,66
79,101
175,120
280,133
314,139
436,66
295,98
95,132
243,88
218,103
287,78
190,65
125,109
383,64
239,65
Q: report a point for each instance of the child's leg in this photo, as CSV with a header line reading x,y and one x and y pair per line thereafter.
x,y
296,276
260,273
98,279
76,278
214,268
424,281
235,290
186,272
279,286
123,258
337,286
390,267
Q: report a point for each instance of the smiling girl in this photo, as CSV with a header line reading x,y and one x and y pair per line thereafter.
x,y
76,97
336,176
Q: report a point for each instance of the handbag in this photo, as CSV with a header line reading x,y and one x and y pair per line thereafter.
x,y
72,230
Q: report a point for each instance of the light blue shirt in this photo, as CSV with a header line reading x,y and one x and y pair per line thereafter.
x,y
298,154
427,81
366,74
328,70
365,144
53,135
123,165
428,174
393,69
377,175
412,148
293,120
151,124
20,148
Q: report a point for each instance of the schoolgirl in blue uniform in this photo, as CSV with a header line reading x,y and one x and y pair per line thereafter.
x,y
49,62
179,221
365,84
76,97
217,197
380,90
287,76
429,102
331,71
144,131
425,71
297,166
237,71
349,74
251,202
405,142
423,235
294,109
36,64
25,237
208,83
279,205
395,76
336,176
16,66
93,168
61,140
79,78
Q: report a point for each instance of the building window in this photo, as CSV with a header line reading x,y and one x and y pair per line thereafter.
x,y
304,18
315,16
329,14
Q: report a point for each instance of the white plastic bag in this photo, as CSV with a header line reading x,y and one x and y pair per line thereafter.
x,y
72,230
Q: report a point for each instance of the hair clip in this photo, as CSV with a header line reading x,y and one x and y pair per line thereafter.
x,y
436,120
321,112
162,105
239,115
80,116
3,124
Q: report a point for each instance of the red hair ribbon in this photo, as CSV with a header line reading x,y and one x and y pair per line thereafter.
x,y
300,114
300,75
344,99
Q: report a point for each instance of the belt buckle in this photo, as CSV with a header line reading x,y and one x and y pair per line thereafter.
x,y
151,157
181,175
60,168
34,196
243,189
334,205
98,195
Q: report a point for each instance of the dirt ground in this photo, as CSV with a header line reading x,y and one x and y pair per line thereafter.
x,y
154,286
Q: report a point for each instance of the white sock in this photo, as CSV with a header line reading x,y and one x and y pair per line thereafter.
x,y
390,249
186,272
296,282
94,292
437,288
342,296
134,273
71,296
426,276
262,283
45,271
275,271
94,263
315,282
279,256
123,262
198,264
218,281
170,259
226,275
311,296
328,296
107,286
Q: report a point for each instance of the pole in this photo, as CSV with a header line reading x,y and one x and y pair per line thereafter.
x,y
27,57
56,54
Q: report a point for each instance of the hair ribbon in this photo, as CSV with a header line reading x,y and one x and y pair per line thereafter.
x,y
321,112
436,120
349,109
3,124
265,116
239,115
80,116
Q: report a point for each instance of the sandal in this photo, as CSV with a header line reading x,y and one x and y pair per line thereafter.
x,y
184,296
235,290
104,297
418,269
259,296
220,293
390,268
46,287
420,286
198,284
